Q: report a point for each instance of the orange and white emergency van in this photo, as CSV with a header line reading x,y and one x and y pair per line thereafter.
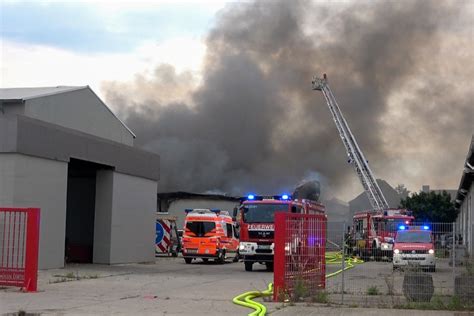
x,y
209,234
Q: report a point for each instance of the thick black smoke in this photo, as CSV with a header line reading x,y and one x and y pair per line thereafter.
x,y
252,122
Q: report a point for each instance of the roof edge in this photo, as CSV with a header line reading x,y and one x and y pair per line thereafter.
x,y
112,112
54,93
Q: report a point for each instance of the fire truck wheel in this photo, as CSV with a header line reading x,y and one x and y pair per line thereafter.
x,y
205,260
376,253
269,266
221,258
236,258
188,260
248,266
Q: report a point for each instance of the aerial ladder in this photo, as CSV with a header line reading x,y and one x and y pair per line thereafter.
x,y
356,157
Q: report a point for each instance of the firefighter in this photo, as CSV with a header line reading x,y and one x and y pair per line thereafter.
x,y
349,242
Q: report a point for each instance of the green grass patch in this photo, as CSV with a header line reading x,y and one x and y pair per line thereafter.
x,y
373,290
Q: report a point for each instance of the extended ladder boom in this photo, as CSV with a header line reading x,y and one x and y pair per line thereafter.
x,y
356,157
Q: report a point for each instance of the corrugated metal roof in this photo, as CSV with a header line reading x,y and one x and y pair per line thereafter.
x,y
30,93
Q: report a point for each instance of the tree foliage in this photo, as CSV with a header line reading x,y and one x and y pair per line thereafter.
x,y
402,191
431,207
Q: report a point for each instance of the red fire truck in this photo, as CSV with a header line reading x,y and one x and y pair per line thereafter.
x,y
373,232
256,220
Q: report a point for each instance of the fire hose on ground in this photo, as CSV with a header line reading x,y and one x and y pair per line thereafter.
x,y
246,299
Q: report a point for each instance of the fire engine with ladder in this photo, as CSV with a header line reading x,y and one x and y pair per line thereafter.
x,y
373,231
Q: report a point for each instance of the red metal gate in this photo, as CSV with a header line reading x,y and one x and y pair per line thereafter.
x,y
299,264
19,233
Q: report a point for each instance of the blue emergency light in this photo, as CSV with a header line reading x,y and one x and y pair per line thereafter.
x,y
426,227
215,210
401,227
251,197
188,210
285,197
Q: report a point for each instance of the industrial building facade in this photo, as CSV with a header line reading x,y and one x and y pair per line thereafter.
x,y
64,151
175,203
465,202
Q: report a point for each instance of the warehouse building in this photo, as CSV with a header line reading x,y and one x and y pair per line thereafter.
x,y
174,203
64,151
465,201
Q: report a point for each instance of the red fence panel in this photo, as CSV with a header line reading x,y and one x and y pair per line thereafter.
x,y
19,242
300,247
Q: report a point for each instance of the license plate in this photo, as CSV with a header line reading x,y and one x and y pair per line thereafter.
x,y
264,246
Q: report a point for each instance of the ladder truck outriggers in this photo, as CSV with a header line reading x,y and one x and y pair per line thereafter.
x,y
373,232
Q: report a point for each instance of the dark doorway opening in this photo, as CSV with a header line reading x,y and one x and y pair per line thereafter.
x,y
80,210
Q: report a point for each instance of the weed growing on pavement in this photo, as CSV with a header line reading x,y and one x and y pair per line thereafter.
x,y
373,290
68,277
300,290
320,297
453,304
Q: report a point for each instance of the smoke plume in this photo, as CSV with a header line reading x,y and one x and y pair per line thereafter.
x,y
401,72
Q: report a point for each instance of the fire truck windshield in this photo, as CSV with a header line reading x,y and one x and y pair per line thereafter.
x,y
392,224
262,213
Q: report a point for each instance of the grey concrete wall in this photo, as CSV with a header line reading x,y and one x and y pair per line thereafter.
x,y
81,110
132,236
177,207
37,138
103,216
35,182
13,108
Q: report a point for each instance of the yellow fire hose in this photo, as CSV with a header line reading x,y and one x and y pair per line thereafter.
x,y
246,299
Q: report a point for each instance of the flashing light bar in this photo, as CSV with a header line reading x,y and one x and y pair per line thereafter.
x,y
424,227
215,210
188,210
253,197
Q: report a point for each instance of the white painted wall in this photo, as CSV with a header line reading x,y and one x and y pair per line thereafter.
x,y
81,110
35,182
177,207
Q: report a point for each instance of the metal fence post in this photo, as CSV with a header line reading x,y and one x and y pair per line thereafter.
x,y
32,244
454,253
343,260
281,219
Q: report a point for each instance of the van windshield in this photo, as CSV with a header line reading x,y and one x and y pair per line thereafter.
x,y
262,213
199,229
413,237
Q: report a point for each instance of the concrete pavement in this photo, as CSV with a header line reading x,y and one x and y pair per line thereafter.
x,y
166,287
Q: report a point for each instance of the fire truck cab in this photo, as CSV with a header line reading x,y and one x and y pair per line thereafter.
x,y
373,232
209,234
256,219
